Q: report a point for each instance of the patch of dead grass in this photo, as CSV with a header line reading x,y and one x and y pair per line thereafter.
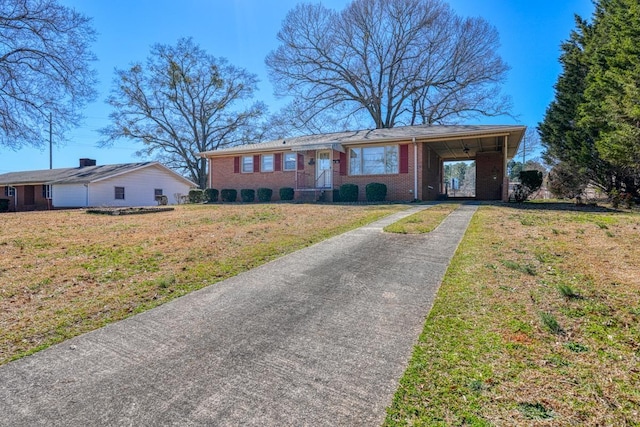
x,y
63,273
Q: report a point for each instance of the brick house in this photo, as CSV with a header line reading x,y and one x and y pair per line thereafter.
x,y
408,160
123,185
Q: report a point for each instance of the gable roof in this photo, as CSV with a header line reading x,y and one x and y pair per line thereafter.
x,y
80,175
459,135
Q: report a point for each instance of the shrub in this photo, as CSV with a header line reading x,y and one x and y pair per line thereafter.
x,y
4,205
196,195
247,195
376,192
566,182
530,182
286,193
228,195
264,194
210,195
348,193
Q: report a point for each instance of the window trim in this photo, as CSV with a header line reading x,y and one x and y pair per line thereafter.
x,y
242,164
295,162
115,195
385,154
262,164
9,191
46,191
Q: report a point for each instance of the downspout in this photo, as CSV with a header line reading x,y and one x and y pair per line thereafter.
x,y
505,176
86,204
415,169
210,172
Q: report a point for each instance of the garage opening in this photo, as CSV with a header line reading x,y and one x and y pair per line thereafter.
x,y
460,179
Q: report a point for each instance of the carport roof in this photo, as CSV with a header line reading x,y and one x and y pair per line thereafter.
x,y
459,142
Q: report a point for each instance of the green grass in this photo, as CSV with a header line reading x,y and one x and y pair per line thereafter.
x,y
424,221
536,321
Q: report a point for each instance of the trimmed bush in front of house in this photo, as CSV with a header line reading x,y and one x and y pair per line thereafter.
x,y
286,193
247,195
376,192
348,193
196,195
228,195
4,205
211,195
264,194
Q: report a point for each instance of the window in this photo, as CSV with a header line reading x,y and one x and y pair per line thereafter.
x,y
10,191
290,161
157,192
119,193
267,163
247,164
373,160
46,191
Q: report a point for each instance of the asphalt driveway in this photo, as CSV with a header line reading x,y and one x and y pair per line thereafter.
x,y
318,337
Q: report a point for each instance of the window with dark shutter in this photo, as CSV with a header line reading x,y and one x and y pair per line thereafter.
x,y
343,163
256,163
300,162
277,162
404,159
236,165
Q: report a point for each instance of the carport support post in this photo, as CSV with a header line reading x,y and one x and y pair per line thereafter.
x,y
505,177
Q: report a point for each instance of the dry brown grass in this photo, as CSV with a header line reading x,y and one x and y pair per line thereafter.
x,y
67,272
424,221
536,323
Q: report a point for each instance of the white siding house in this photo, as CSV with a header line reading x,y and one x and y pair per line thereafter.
x,y
124,185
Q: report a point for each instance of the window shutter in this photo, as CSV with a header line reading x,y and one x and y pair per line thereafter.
x,y
300,162
404,159
236,165
277,160
256,163
343,164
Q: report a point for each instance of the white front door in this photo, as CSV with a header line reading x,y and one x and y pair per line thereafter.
x,y
323,169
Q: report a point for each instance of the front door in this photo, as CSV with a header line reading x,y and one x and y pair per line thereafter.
x,y
323,169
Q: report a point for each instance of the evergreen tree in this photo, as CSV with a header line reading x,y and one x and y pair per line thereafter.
x,y
612,92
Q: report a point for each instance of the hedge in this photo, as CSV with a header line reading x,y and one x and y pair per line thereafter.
x,y
348,193
196,196
228,195
286,193
247,195
376,192
264,194
211,195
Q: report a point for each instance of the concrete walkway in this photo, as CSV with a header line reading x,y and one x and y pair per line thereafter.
x,y
318,337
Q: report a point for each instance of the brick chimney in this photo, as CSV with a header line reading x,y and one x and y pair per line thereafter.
x,y
87,162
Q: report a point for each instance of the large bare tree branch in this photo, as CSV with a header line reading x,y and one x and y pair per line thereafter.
x,y
44,70
183,102
400,61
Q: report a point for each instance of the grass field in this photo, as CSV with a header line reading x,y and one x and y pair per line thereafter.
x,y
63,273
537,322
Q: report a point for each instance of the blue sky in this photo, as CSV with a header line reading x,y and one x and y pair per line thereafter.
x,y
244,31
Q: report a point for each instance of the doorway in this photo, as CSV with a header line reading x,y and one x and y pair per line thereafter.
x,y
323,169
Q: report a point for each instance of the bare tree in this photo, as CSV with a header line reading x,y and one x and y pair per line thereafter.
x,y
181,104
44,70
392,61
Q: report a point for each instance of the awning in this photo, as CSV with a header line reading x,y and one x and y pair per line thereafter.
x,y
324,146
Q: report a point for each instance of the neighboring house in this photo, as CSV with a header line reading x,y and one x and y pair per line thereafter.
x,y
408,160
131,184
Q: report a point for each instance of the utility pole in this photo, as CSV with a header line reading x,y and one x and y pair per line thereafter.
x,y
50,141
